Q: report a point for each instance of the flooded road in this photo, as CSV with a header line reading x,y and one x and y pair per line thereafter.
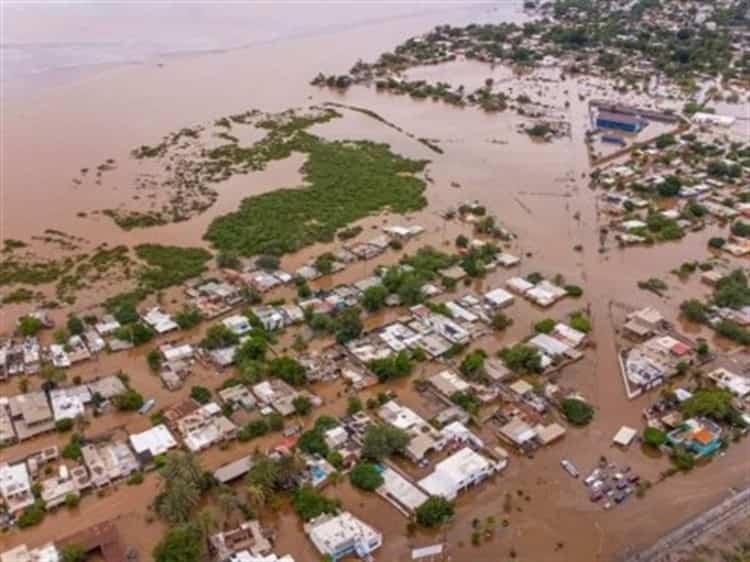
x,y
539,191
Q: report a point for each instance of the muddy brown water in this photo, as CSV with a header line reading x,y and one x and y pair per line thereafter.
x,y
537,190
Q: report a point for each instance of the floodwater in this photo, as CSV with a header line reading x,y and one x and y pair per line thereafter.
x,y
539,191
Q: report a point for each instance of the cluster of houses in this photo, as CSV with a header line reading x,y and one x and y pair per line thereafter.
x,y
101,465
25,415
630,187
658,354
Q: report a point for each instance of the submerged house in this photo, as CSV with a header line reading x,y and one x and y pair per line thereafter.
x,y
619,122
700,436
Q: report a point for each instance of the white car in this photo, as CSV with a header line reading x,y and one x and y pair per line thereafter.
x,y
569,468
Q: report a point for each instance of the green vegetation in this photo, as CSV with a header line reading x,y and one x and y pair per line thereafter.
x,y
522,358
64,424
32,515
382,440
72,553
653,284
200,394
29,325
366,476
732,290
181,544
187,318
309,503
302,405
128,401
17,296
467,400
170,265
374,297
694,310
579,321
345,181
545,326
434,512
473,363
392,367
714,403
654,437
577,411
219,336
287,369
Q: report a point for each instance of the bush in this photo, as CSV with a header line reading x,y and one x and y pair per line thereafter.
x,y
683,459
392,367
128,401
473,363
501,321
200,394
467,400
287,369
374,298
654,437
170,265
253,429
72,499
545,326
180,544
574,291
187,318
694,310
354,405
522,358
577,411
65,424
219,336
382,440
434,512
579,321
717,242
72,553
366,476
312,442
302,405
135,479
29,325
32,515
309,503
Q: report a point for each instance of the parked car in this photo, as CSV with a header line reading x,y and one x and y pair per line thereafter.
x,y
569,468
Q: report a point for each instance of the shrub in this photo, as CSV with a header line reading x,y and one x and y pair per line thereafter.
x,y
654,437
302,405
434,512
366,476
200,394
309,503
128,401
72,499
287,369
574,290
545,326
577,411
579,321
64,424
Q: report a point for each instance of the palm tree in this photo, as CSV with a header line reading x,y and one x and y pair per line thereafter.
x,y
256,497
184,466
264,473
228,502
206,522
178,500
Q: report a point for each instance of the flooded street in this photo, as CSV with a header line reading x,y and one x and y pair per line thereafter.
x,y
539,191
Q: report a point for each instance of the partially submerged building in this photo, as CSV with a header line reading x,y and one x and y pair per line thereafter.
x,y
342,535
458,472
